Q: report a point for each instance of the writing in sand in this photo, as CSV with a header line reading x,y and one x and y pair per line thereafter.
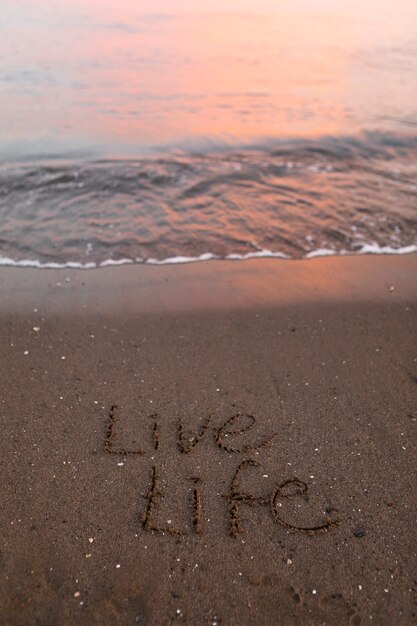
x,y
234,427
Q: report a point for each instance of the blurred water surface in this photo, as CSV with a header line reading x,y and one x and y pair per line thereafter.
x,y
145,130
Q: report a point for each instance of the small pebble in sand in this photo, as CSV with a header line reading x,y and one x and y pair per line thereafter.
x,y
36,329
88,556
392,288
63,358
314,592
118,566
120,464
26,352
91,539
77,594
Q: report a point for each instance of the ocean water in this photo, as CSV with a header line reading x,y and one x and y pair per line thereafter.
x,y
170,131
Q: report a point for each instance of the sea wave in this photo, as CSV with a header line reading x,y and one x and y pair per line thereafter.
x,y
296,199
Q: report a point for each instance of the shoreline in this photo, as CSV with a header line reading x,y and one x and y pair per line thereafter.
x,y
216,443
210,284
366,250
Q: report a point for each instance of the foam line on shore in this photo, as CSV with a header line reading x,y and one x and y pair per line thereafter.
x,y
370,248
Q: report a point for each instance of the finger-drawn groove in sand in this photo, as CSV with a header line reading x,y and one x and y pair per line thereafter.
x,y
225,431
237,498
186,445
152,497
301,491
111,436
197,507
155,432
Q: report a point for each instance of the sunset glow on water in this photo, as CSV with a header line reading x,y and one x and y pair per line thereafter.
x,y
314,103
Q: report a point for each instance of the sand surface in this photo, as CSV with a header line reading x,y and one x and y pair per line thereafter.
x,y
222,443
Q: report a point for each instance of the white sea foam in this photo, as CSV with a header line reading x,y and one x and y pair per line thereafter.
x,y
259,254
207,256
112,262
369,248
7,262
323,252
373,248
366,248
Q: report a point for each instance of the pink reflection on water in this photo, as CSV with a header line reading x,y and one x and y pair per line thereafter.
x,y
127,74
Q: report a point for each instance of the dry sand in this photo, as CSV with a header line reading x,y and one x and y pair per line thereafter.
x,y
220,443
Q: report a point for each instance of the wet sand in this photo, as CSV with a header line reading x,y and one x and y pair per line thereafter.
x,y
218,443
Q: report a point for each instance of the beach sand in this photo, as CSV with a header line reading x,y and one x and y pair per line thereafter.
x,y
216,443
